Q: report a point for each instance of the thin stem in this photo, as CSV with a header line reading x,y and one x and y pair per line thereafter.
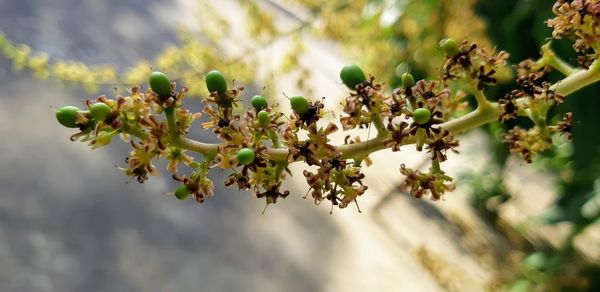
x,y
473,119
134,131
560,65
196,146
578,79
279,167
378,123
274,138
549,58
435,167
184,142
482,101
171,121
280,164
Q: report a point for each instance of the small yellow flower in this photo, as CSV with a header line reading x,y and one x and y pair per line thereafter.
x,y
175,156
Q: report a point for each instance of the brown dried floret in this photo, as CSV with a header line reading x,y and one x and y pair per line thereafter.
x,y
419,184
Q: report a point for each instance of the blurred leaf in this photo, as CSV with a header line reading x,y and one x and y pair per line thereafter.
x,y
521,285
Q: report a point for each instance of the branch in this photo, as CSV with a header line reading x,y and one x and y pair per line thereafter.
x,y
549,58
576,80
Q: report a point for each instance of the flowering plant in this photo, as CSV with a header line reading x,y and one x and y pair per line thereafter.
x,y
258,143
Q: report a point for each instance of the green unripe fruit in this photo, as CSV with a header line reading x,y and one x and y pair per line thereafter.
x,y
263,118
450,47
421,116
245,156
100,111
259,102
299,104
67,115
215,81
408,80
352,75
182,192
160,84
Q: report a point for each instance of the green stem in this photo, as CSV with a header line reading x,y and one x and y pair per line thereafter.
x,y
274,138
206,149
279,167
257,136
549,58
473,119
482,101
578,79
435,167
560,65
172,122
281,163
378,123
134,131
420,139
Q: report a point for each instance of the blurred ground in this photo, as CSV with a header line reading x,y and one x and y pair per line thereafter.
x,y
68,222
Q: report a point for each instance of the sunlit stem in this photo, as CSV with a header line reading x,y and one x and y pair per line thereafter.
x,y
274,138
420,139
171,121
279,167
378,123
482,101
279,164
205,149
578,79
134,131
435,167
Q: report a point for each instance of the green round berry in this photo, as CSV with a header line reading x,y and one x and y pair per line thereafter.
x,y
245,156
352,75
421,116
67,116
215,81
407,80
160,84
450,47
259,102
263,118
182,192
100,111
299,104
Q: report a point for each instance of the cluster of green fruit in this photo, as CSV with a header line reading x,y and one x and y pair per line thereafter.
x,y
67,115
351,75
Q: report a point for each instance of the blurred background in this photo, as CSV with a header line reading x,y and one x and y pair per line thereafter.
x,y
70,222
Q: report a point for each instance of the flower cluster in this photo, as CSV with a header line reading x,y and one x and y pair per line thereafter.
x,y
258,143
419,183
473,65
578,20
337,181
533,98
527,142
133,116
